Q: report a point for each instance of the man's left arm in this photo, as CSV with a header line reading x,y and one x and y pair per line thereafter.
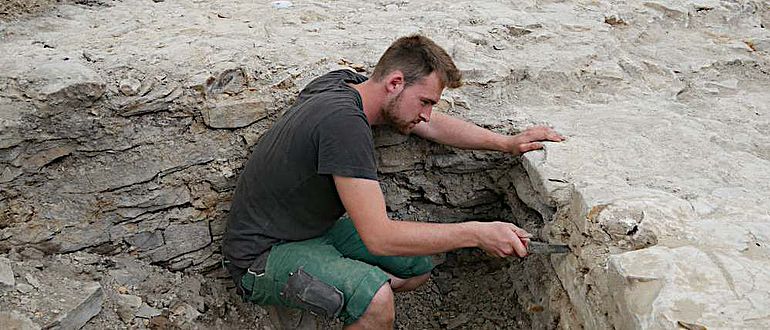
x,y
456,132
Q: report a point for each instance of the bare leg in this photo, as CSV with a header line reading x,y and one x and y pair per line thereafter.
x,y
380,313
407,284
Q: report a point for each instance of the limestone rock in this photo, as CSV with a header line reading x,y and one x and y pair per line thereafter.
x,y
395,159
146,240
7,279
184,313
128,305
32,280
131,206
12,113
130,86
523,188
181,239
386,136
229,81
234,114
131,273
663,286
85,306
66,83
13,320
24,288
147,312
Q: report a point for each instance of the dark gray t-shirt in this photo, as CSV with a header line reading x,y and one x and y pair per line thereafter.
x,y
286,191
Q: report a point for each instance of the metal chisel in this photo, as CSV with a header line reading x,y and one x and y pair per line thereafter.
x,y
535,247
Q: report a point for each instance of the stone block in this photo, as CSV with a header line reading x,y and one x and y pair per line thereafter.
x,y
659,287
7,279
81,308
133,205
146,240
399,158
385,136
181,239
66,83
128,306
234,114
133,274
147,312
13,320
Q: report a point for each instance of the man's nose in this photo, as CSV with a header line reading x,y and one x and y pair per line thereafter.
x,y
425,116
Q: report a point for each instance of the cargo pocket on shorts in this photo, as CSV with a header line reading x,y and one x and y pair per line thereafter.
x,y
305,291
257,287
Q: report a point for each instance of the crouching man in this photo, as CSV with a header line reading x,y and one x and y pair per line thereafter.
x,y
287,242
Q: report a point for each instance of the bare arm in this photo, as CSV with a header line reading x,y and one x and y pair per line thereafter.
x,y
456,132
365,205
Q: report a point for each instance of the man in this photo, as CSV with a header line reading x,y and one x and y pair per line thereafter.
x,y
285,242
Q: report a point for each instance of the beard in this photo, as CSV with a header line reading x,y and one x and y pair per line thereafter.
x,y
391,111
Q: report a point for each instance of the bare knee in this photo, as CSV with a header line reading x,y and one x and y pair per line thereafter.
x,y
410,283
381,311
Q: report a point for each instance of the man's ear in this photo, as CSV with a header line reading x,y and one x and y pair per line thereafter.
x,y
394,82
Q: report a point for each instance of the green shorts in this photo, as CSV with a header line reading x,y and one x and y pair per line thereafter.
x,y
336,263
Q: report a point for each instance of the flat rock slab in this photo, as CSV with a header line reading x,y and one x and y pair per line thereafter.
x,y
81,306
234,114
48,301
7,279
66,82
181,239
13,320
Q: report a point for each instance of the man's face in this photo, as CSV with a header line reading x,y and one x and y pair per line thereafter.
x,y
413,104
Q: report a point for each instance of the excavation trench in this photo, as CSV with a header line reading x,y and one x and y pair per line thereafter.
x,y
469,289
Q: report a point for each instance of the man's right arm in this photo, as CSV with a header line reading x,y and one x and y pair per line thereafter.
x,y
365,205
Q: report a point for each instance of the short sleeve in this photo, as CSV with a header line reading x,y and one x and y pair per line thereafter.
x,y
346,146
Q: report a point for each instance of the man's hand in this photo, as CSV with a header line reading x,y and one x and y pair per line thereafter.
x,y
502,239
530,139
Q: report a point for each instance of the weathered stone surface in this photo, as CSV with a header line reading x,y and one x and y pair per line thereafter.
x,y
229,81
147,312
234,114
128,305
130,273
184,313
181,239
157,159
13,320
131,206
7,279
395,159
66,83
664,285
130,86
81,308
146,240
24,288
12,114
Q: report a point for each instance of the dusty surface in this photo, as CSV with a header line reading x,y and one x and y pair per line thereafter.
x,y
124,126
